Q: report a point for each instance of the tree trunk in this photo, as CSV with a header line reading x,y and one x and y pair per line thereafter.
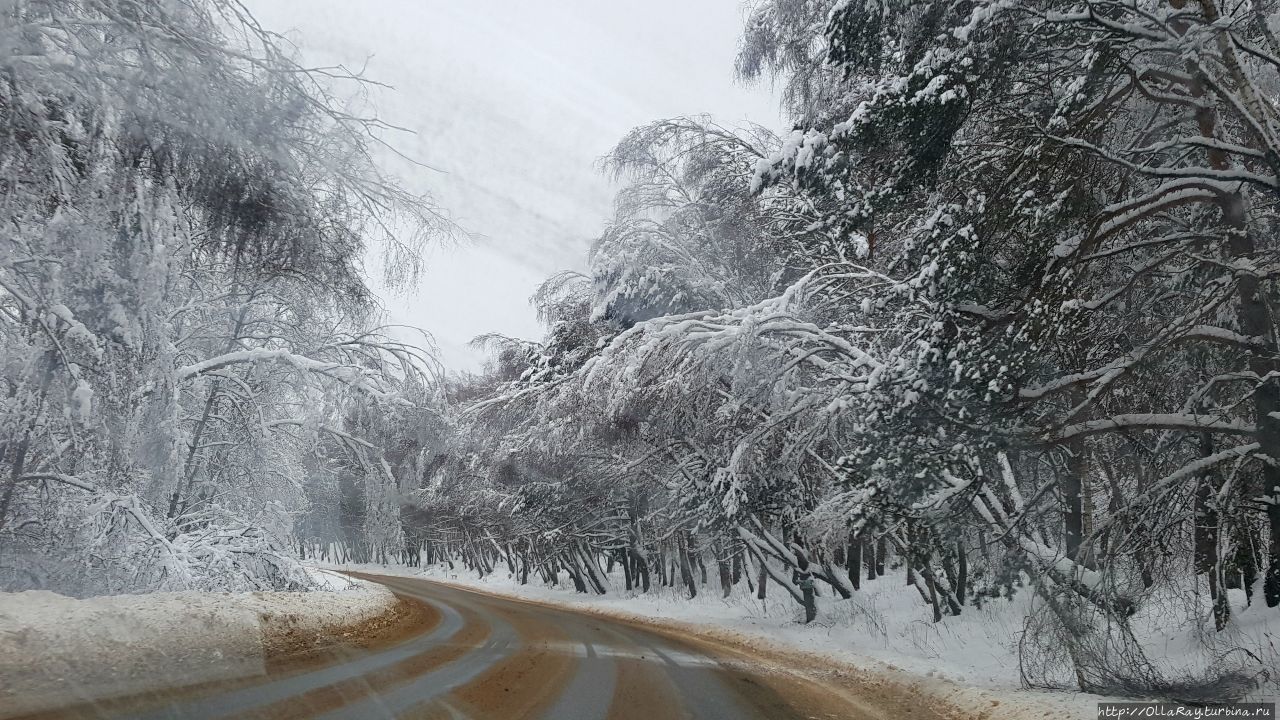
x,y
686,572
579,585
1072,486
641,568
190,467
626,568
1271,584
853,560
832,578
722,566
909,552
1207,536
591,570
763,580
635,554
933,596
1253,315
1244,560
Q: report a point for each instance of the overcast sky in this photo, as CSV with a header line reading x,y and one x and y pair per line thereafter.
x,y
514,102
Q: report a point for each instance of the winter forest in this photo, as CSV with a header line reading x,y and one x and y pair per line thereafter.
x,y
995,317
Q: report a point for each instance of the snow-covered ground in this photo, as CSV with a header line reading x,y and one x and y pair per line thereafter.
x,y
968,662
55,650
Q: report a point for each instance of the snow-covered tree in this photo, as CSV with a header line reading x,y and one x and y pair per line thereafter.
x,y
999,305
184,310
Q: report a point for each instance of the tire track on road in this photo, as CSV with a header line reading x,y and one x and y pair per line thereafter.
x,y
503,641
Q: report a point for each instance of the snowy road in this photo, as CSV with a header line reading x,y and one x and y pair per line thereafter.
x,y
484,657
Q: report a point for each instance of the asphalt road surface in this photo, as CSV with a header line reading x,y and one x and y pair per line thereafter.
x,y
479,657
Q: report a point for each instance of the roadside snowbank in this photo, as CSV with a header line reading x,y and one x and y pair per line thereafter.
x,y
56,650
880,637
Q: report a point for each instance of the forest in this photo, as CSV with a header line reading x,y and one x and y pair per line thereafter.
x,y
995,315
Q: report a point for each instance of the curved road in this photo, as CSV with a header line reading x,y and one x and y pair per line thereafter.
x,y
482,657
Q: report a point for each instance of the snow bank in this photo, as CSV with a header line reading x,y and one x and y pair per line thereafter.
x,y
56,650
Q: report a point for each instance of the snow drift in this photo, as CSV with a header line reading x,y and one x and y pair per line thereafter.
x,y
55,650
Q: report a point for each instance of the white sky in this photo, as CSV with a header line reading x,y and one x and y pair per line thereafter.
x,y
514,102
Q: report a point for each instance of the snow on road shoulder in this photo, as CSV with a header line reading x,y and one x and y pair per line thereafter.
x,y
970,666
56,650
